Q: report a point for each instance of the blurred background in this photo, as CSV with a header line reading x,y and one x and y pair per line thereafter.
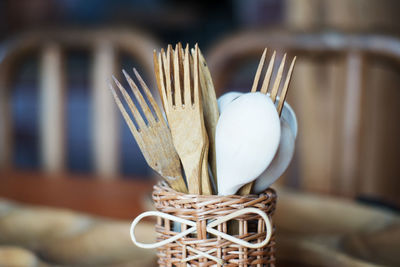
x,y
63,143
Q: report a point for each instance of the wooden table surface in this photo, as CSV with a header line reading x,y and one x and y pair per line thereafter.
x,y
307,224
117,198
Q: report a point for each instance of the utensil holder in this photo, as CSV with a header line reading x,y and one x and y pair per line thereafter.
x,y
204,246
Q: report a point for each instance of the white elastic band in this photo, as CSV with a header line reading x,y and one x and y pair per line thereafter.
x,y
209,229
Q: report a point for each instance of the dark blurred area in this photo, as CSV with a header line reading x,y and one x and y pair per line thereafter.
x,y
63,143
170,21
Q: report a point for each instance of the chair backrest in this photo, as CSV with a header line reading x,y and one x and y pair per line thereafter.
x,y
345,98
104,45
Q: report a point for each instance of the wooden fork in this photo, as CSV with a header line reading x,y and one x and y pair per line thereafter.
x,y
154,138
273,92
210,116
185,116
209,108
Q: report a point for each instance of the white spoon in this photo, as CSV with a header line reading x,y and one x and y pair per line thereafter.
x,y
286,148
247,138
285,151
226,99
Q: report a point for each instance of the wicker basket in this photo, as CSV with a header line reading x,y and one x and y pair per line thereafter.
x,y
203,210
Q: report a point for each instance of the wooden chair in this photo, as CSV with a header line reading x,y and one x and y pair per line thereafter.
x,y
104,44
345,91
91,195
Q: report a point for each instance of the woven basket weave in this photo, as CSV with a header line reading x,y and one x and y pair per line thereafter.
x,y
203,209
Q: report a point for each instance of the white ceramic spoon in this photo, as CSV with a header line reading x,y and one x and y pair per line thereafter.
x,y
286,144
247,138
226,99
285,152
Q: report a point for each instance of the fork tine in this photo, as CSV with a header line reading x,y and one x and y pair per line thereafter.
x,y
157,73
278,80
182,50
177,78
196,91
134,110
203,69
258,73
167,74
180,57
191,58
285,87
149,95
128,120
142,102
162,83
186,70
170,59
267,78
202,60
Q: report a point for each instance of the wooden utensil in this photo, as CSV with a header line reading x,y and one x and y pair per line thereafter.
x,y
154,138
286,147
280,162
185,116
210,111
206,187
226,99
273,92
247,138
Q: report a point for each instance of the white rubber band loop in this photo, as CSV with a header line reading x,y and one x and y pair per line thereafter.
x,y
209,229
